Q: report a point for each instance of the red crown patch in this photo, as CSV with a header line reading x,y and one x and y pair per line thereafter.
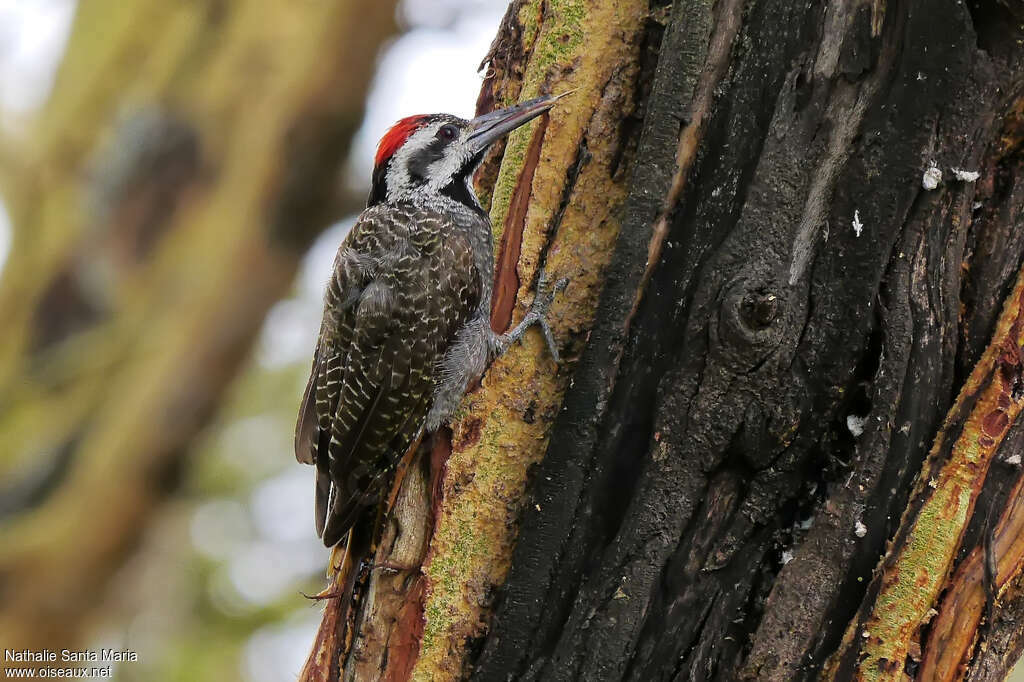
x,y
396,136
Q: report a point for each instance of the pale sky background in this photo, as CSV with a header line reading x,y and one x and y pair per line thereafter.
x,y
32,35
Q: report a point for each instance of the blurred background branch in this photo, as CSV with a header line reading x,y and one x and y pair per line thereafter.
x,y
187,157
161,197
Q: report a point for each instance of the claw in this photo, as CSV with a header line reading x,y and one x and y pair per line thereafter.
x,y
329,592
549,338
537,315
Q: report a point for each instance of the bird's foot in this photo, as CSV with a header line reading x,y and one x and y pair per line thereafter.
x,y
537,315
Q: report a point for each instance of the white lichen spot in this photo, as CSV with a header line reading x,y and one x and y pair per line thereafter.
x,y
859,529
855,424
660,453
858,226
1013,459
932,177
965,175
787,556
932,483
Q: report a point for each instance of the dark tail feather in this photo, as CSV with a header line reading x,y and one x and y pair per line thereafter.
x,y
322,497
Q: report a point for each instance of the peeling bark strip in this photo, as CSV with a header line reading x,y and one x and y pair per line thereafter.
x,y
916,567
953,633
506,277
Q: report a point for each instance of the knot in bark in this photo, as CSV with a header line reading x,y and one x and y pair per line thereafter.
x,y
759,309
749,324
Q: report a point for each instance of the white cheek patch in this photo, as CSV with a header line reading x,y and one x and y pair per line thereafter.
x,y
443,171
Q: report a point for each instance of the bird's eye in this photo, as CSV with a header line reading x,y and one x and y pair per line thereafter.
x,y
448,132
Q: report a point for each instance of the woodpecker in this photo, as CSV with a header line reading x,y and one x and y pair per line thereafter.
x,y
406,325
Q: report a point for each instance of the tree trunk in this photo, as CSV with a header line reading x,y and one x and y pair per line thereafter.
x,y
188,155
793,234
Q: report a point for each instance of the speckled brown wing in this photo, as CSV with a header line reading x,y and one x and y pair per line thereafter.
x,y
404,284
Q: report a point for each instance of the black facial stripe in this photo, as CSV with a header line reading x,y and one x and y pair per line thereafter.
x,y
459,191
458,188
420,162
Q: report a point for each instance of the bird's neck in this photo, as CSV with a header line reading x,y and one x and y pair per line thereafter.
x,y
455,195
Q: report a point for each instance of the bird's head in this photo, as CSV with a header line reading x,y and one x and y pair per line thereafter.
x,y
437,154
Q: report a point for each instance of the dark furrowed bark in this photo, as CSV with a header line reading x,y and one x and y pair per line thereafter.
x,y
535,587
708,510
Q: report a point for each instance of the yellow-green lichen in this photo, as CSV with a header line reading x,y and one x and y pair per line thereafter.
x,y
560,39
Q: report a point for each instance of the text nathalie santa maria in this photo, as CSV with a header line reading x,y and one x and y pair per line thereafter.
x,y
69,655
